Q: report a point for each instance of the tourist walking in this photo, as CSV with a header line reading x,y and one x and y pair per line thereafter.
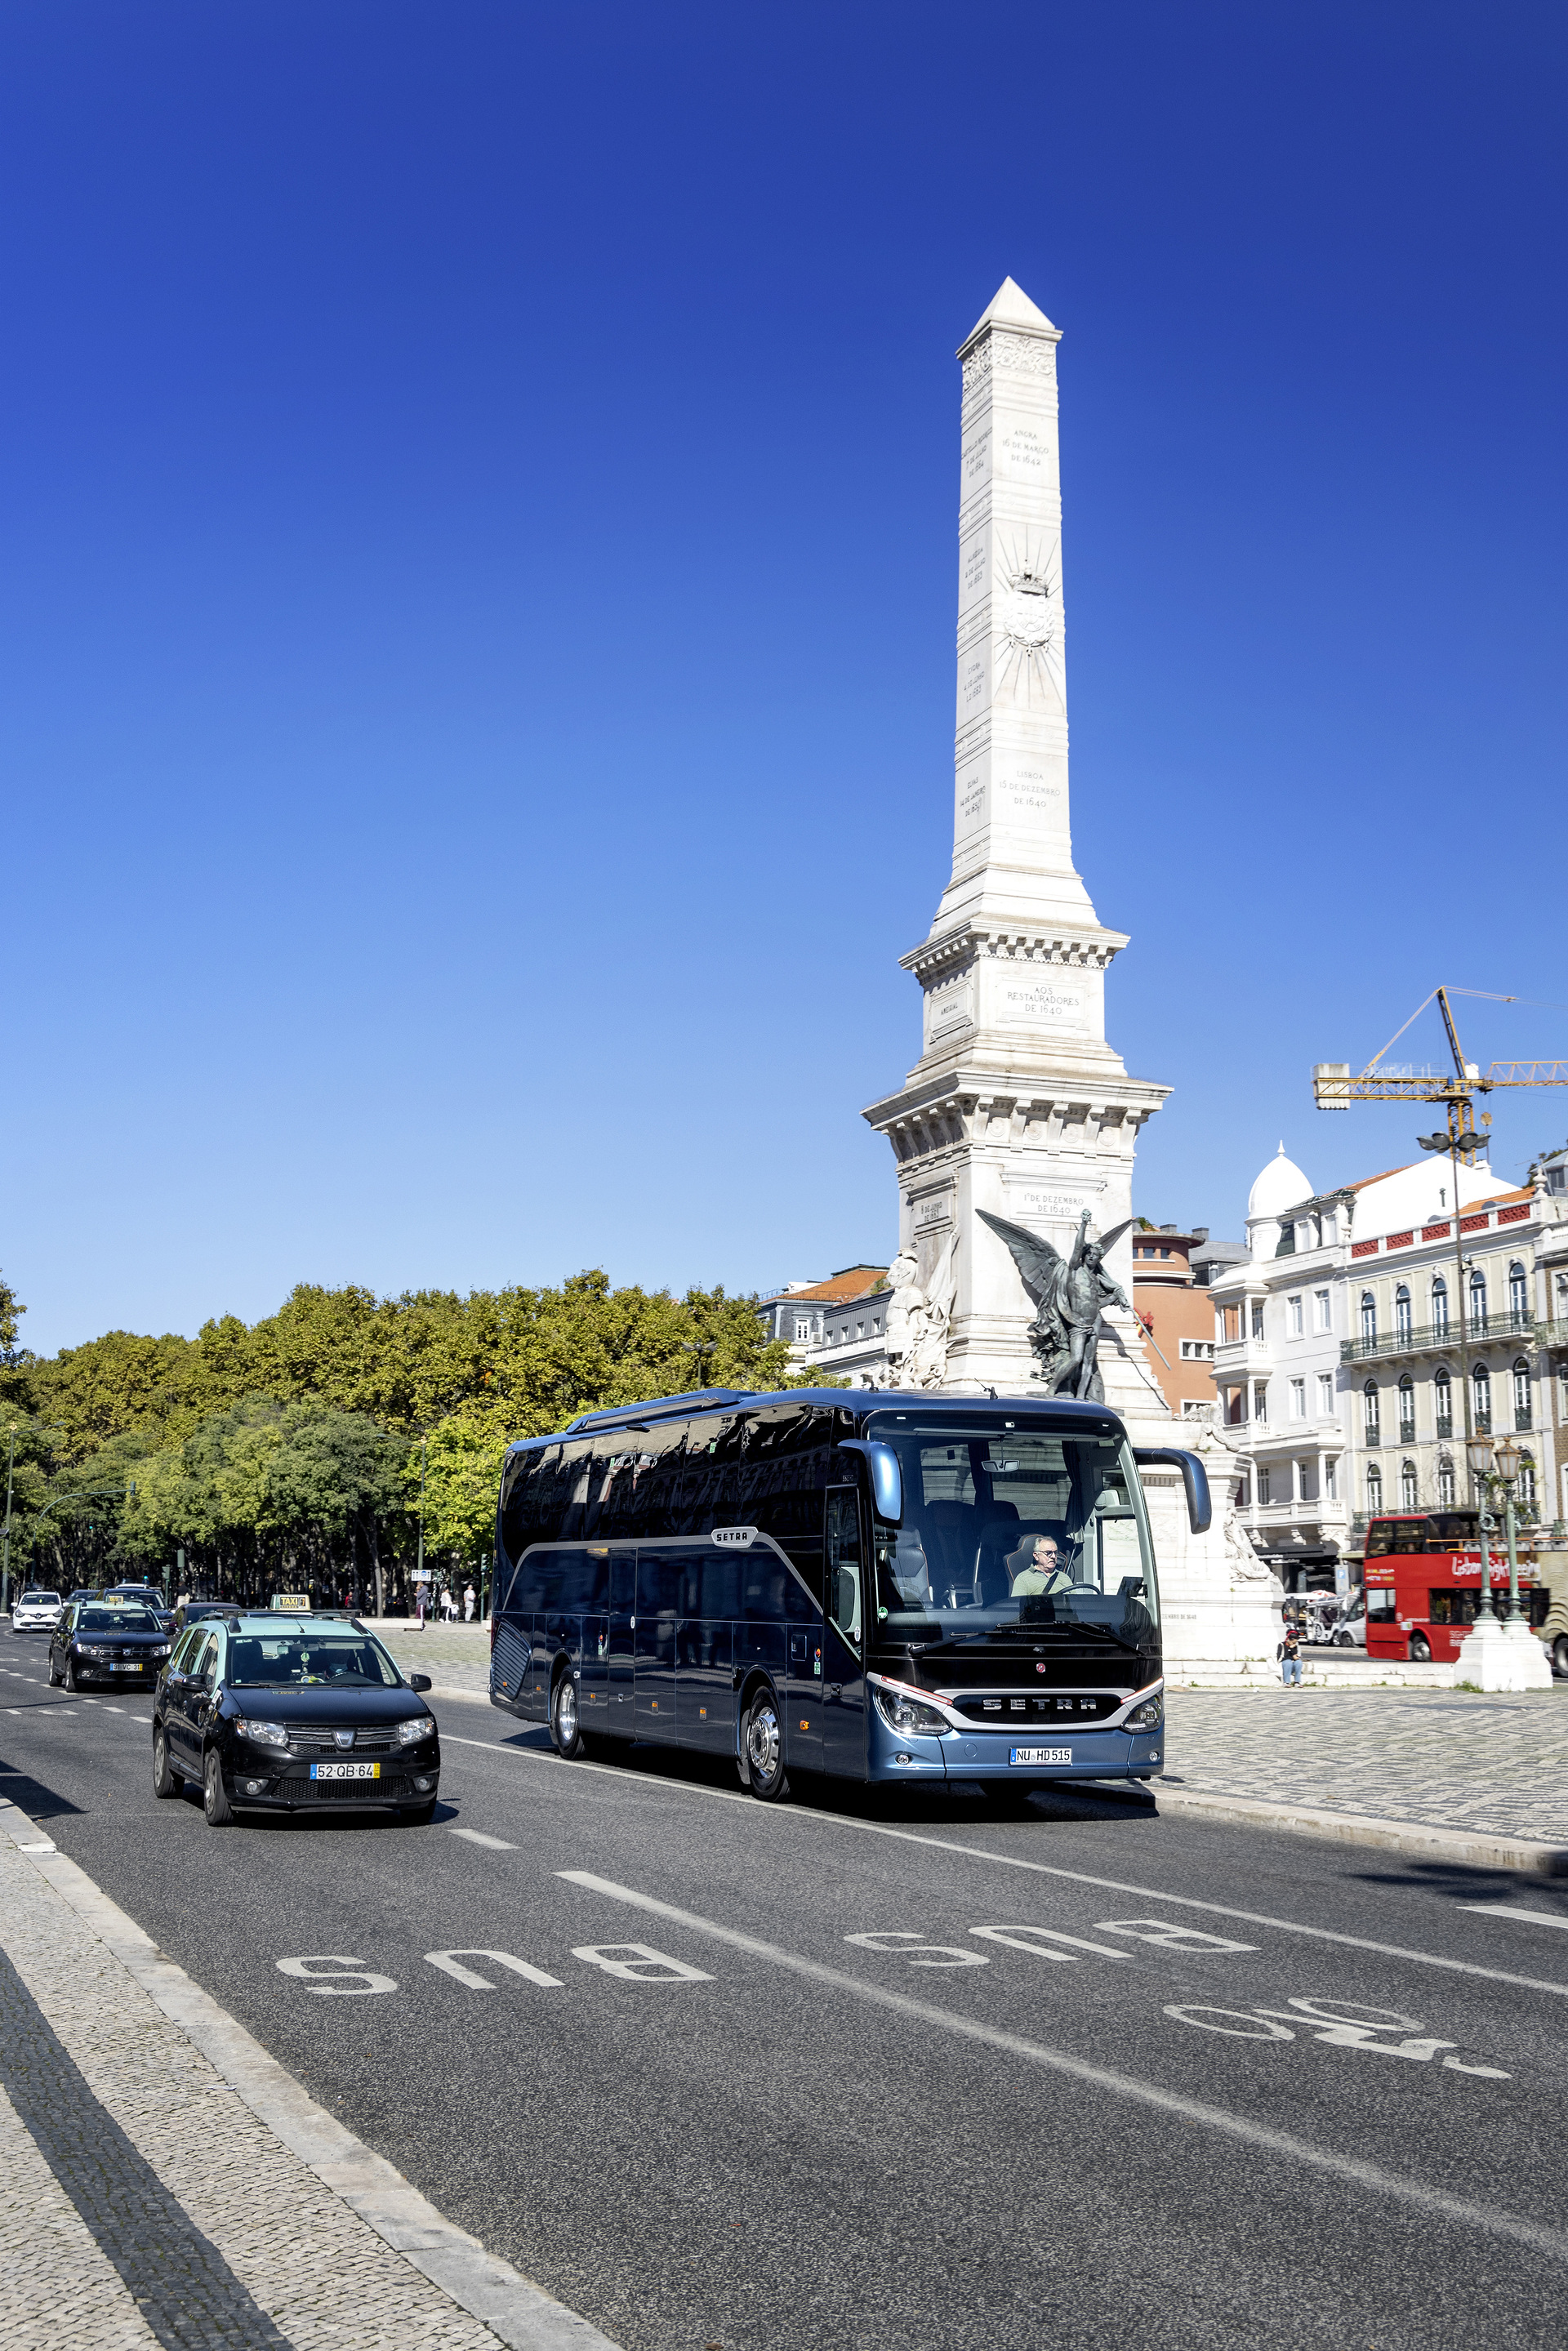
x,y
1289,1655
468,1605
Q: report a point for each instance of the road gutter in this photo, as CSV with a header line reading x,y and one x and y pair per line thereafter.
x,y
516,2310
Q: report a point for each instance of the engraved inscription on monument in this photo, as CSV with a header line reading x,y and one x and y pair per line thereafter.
x,y
1042,1003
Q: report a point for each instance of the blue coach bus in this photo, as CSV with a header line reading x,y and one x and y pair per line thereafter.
x,y
869,1586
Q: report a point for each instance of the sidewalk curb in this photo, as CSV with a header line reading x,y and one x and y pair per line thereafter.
x,y
1475,1849
520,2313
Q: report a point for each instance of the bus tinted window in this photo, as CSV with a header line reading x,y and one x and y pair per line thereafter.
x,y
658,1583
721,1583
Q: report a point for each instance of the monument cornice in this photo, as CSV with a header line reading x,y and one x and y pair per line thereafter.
x,y
1050,942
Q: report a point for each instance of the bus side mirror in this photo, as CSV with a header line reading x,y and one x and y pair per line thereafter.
x,y
887,1476
1194,1477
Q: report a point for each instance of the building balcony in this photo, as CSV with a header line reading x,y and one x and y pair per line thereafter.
x,y
1442,1338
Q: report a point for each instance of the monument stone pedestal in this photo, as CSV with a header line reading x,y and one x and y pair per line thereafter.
x,y
1502,1654
1018,1105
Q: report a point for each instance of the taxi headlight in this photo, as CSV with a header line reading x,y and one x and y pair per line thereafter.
x,y
908,1717
87,1649
262,1734
1147,1717
422,1727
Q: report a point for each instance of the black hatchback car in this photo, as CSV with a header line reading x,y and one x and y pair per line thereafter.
x,y
94,1644
282,1713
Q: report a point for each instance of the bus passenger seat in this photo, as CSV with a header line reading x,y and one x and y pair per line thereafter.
x,y
993,1584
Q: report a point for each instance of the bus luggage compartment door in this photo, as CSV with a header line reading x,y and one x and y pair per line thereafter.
x,y
653,1643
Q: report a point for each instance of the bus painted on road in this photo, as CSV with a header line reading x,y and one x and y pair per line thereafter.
x,y
867,1586
1423,1574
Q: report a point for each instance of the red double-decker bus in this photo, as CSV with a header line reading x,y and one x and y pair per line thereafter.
x,y
1423,1573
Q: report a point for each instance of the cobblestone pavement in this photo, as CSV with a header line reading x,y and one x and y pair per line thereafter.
x,y
1442,1759
455,1656
140,2116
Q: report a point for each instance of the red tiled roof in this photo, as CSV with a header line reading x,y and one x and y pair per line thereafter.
x,y
857,1282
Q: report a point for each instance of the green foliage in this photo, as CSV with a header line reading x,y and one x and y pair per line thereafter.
x,y
292,1448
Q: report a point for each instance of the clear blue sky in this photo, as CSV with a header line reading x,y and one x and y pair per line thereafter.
x,y
477,588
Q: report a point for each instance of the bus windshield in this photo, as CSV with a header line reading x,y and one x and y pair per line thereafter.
x,y
1013,1527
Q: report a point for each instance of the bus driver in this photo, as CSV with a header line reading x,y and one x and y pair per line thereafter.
x,y
1034,1567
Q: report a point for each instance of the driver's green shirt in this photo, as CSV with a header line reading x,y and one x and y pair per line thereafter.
x,y
1030,1580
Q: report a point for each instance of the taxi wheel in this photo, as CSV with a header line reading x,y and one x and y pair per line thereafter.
x,y
166,1782
53,1677
215,1802
565,1722
765,1750
71,1682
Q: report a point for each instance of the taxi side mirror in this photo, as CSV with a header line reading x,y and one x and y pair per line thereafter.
x,y
419,1681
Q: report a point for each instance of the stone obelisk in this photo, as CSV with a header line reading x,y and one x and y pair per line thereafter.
x,y
1017,1105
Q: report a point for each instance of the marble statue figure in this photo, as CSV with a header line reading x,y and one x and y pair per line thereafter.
x,y
918,1320
1069,1295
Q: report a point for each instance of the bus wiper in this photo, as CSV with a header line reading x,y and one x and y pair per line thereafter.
x,y
1024,1636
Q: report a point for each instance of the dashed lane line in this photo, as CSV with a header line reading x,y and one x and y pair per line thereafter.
x,y
1513,1911
1043,1869
477,1836
1490,2218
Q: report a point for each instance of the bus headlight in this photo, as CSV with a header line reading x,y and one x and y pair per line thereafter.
x,y
1147,1717
908,1717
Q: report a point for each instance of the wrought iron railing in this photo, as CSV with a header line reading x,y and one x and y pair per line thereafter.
x,y
1441,1338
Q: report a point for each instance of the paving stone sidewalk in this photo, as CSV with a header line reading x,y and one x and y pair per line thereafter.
x,y
1449,1760
123,2230
455,1656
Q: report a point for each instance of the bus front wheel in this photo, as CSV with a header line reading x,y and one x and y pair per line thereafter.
x,y
1559,1656
1420,1649
765,1750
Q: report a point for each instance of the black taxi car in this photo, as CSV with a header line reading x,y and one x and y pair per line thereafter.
x,y
104,1641
286,1713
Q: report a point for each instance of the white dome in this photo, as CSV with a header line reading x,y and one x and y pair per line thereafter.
x,y
1280,1186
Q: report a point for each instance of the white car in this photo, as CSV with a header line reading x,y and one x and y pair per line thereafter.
x,y
35,1611
1350,1632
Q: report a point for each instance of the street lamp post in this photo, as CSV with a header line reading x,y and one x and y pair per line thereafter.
x,y
1478,1450
1507,1452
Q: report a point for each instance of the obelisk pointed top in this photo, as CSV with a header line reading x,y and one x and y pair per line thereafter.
x,y
1010,307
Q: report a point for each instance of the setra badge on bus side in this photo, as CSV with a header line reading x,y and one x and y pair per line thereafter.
x,y
734,1538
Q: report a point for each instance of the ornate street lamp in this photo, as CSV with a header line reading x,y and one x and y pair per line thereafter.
x,y
1508,1451
1478,1454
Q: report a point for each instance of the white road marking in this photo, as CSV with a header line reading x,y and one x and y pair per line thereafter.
x,y
477,1836
646,1965
783,1814
1553,2242
1024,1938
900,1944
347,1979
451,1964
1512,1910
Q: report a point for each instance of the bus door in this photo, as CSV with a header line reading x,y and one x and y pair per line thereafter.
x,y
653,1642
705,1654
843,1639
620,1633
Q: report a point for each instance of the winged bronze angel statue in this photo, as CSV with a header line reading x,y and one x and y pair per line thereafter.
x,y
1069,1295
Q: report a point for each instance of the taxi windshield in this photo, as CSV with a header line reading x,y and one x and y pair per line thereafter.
x,y
1012,1526
296,1660
117,1620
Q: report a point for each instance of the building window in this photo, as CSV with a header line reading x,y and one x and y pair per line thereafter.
x,y
1331,1477
1482,1381
1374,1491
1298,1399
1326,1310
1443,1400
1197,1351
1407,1410
1368,1317
1527,1482
1522,1393
1402,1315
1445,1485
1325,1395
1257,1319
1230,1323
1478,1301
1518,1297
1439,1308
1235,1406
1370,1413
1263,1488
1259,1401
803,1329
1294,1306
1407,1485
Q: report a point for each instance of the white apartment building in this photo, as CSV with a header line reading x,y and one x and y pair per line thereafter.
x,y
1327,1379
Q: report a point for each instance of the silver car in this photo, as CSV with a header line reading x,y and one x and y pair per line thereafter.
x,y
35,1610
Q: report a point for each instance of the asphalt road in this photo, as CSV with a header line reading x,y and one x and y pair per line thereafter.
x,y
905,2074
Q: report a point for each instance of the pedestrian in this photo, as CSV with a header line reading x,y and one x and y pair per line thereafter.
x,y
1289,1655
468,1598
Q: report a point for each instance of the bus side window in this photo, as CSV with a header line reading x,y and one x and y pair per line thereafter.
x,y
1442,1605
845,1563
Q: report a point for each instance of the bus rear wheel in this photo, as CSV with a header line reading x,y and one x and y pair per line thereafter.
x,y
1420,1649
565,1723
765,1750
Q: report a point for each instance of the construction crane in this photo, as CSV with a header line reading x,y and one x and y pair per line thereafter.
x,y
1334,1088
